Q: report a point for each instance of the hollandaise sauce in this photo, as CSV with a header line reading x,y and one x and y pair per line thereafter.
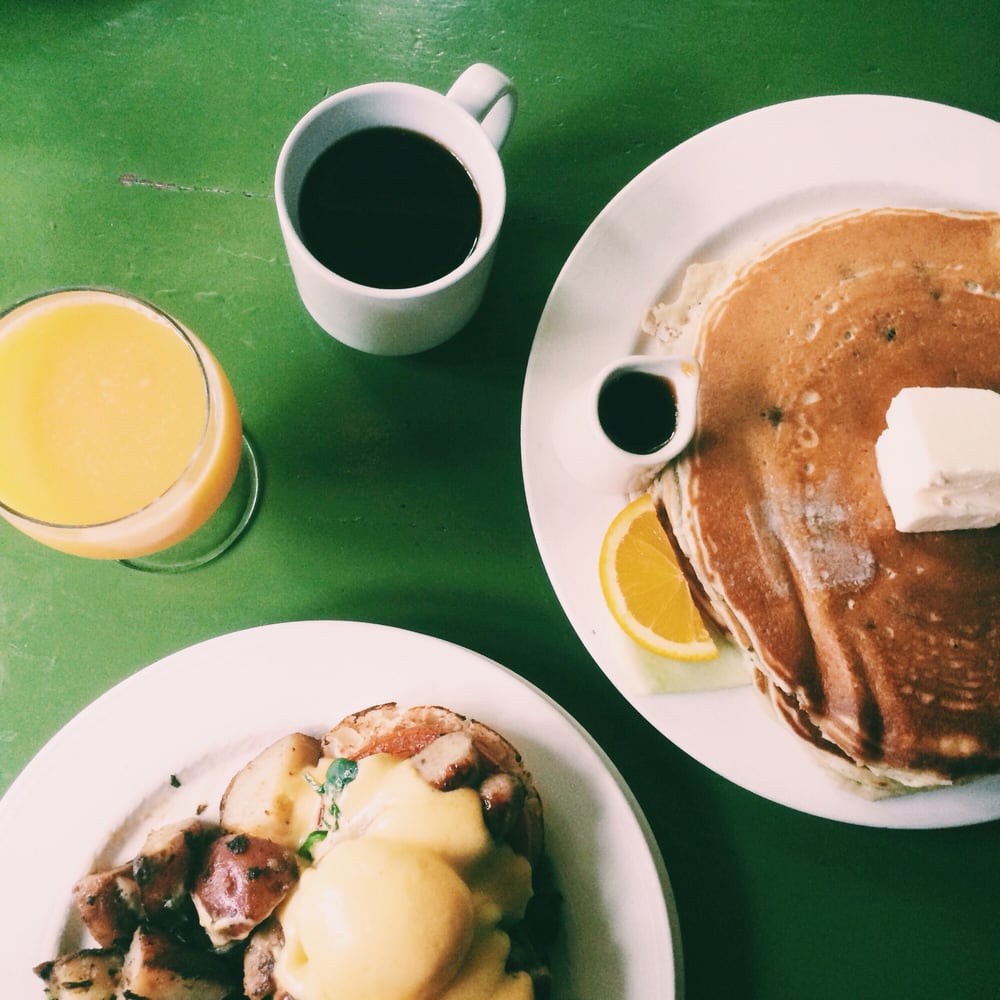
x,y
407,899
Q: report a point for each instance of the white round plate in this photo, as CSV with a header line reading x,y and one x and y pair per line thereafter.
x,y
741,183
105,780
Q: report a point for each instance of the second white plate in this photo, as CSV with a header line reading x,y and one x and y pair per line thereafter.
x,y
166,741
733,187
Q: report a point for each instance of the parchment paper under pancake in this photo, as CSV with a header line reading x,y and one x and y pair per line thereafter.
x,y
880,647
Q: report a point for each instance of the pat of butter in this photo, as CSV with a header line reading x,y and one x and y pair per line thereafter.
x,y
939,458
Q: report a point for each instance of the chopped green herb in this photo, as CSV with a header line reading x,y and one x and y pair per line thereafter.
x,y
141,870
307,845
339,775
341,772
239,844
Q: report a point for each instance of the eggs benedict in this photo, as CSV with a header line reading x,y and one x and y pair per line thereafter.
x,y
398,857
419,866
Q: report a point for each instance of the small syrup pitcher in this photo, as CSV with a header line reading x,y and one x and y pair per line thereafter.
x,y
628,421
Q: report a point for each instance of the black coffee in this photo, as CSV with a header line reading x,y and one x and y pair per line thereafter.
x,y
389,208
638,411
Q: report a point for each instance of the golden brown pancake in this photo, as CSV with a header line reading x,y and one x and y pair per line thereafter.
x,y
880,647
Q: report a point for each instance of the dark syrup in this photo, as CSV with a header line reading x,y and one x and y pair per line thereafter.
x,y
638,411
389,208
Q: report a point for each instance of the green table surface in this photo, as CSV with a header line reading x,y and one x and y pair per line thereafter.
x,y
138,140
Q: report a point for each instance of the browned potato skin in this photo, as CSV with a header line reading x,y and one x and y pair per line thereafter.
x,y
89,974
243,881
108,904
156,967
261,955
166,866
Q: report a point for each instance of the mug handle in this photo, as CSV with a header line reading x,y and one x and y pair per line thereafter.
x,y
489,96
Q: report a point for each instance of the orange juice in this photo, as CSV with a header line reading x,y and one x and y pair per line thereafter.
x,y
120,432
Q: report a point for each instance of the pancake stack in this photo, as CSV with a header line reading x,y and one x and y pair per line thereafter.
x,y
881,649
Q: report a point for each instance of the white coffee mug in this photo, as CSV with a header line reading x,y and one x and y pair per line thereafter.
x,y
471,121
605,462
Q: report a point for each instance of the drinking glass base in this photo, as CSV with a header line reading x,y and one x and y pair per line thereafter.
x,y
219,532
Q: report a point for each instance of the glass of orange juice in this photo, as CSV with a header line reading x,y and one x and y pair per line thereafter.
x,y
121,437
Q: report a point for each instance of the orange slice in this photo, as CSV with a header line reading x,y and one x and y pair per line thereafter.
x,y
645,588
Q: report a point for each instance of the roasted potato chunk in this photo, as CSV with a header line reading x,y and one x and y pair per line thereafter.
x,y
269,797
502,796
260,958
156,967
90,974
108,903
448,762
244,879
166,866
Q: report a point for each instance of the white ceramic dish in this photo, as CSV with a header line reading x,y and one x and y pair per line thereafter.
x,y
741,183
104,781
